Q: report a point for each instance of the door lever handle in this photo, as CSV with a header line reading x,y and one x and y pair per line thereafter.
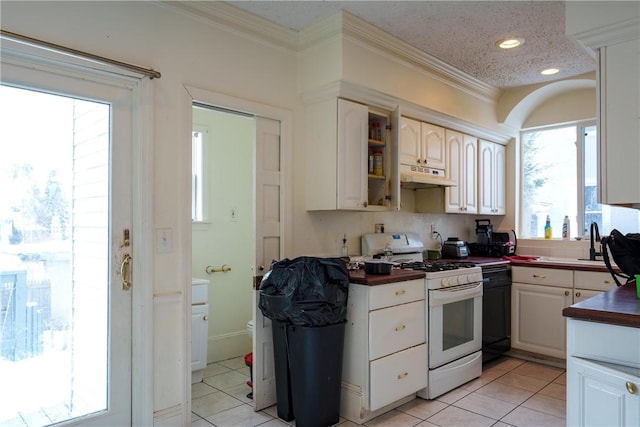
x,y
125,272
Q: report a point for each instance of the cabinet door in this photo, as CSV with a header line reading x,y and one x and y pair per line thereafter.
x,y
583,294
433,152
600,394
454,202
491,173
199,336
352,158
537,324
469,168
410,142
486,178
499,167
619,126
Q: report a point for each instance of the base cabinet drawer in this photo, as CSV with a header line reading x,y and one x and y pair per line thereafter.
x,y
396,328
398,375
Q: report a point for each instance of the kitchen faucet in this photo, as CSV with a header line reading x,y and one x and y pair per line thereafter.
x,y
592,251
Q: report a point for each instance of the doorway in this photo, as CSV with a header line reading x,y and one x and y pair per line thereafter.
x,y
271,203
223,224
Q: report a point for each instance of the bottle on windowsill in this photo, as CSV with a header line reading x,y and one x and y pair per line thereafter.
x,y
547,228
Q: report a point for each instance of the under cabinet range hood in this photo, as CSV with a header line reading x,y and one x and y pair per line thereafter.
x,y
419,176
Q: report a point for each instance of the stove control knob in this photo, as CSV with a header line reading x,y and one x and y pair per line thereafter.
x,y
443,283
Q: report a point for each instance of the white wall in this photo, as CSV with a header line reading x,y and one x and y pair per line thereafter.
x,y
219,58
222,240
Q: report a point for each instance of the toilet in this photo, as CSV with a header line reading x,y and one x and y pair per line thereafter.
x,y
250,328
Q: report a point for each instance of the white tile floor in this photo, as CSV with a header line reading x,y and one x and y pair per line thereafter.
x,y
510,392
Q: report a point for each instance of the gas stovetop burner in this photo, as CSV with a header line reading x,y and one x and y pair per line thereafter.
x,y
436,266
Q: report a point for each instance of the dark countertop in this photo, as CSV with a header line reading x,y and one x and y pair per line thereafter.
x,y
478,260
619,306
562,265
397,275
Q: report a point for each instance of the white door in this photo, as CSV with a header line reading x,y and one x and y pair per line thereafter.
x,y
65,174
268,248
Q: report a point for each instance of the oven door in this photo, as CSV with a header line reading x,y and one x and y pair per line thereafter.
x,y
455,323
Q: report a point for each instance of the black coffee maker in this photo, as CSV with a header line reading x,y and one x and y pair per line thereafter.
x,y
484,231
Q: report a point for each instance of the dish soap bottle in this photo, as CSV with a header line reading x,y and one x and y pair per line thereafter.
x,y
547,228
345,249
566,228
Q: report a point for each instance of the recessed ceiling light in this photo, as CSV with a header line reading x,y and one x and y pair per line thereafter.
x,y
510,42
549,71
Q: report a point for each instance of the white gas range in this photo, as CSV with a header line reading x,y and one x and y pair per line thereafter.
x,y
454,310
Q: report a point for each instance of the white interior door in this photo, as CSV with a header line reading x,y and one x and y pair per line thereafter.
x,y
65,174
268,248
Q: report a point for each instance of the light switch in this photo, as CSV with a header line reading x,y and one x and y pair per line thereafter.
x,y
164,241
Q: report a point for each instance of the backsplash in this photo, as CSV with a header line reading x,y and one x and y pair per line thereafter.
x,y
555,248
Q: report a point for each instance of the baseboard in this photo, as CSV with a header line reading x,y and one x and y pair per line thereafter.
x,y
538,358
228,346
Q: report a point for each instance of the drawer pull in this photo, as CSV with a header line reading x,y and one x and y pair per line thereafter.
x,y
540,276
401,292
400,328
566,293
577,294
607,282
406,374
631,387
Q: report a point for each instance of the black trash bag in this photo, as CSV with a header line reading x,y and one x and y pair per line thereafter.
x,y
306,291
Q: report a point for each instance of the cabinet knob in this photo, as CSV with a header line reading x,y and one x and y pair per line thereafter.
x,y
205,317
566,293
577,294
631,388
365,203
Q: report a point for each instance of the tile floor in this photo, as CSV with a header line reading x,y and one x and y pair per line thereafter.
x,y
510,392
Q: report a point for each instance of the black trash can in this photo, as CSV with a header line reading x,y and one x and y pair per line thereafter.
x,y
315,362
306,298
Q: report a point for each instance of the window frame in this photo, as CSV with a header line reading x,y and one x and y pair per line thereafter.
x,y
204,176
579,125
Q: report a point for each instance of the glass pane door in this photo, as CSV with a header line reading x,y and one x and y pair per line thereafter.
x,y
54,257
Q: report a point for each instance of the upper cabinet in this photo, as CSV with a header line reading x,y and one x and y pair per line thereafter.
x,y
351,163
613,31
491,178
422,144
462,167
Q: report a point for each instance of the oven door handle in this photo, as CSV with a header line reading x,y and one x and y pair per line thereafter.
x,y
455,293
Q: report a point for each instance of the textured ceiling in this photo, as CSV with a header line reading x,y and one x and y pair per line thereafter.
x,y
461,33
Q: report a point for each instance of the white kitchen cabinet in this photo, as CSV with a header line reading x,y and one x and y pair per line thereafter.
x,y
422,144
538,296
462,167
491,181
537,322
619,124
614,33
385,354
338,146
590,283
600,392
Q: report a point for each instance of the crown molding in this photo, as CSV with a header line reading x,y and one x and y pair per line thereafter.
x,y
359,31
236,21
610,34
